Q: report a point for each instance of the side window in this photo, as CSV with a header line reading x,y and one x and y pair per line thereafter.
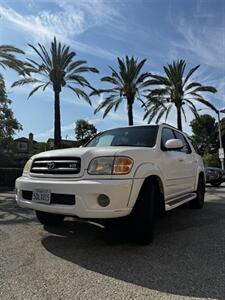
x,y
167,134
186,148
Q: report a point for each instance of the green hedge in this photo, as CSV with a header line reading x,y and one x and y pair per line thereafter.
x,y
9,175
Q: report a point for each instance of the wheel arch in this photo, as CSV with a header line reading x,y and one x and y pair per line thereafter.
x,y
201,174
159,202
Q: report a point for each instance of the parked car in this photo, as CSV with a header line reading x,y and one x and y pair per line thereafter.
x,y
131,173
214,176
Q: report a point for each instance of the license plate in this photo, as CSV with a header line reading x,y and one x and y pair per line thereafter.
x,y
41,196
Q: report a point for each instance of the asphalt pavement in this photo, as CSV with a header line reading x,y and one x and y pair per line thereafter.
x,y
75,261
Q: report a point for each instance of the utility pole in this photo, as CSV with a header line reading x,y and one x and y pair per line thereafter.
x,y
221,151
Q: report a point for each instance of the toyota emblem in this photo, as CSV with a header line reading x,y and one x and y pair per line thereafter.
x,y
51,165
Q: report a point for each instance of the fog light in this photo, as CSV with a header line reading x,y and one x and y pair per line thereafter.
x,y
103,200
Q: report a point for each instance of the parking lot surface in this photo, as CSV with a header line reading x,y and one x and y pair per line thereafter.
x,y
74,261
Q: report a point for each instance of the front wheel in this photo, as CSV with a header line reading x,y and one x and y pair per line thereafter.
x,y
141,219
198,202
46,218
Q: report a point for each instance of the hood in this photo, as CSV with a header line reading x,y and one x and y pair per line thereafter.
x,y
80,152
138,154
88,153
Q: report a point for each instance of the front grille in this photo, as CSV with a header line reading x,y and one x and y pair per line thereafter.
x,y
64,199
56,165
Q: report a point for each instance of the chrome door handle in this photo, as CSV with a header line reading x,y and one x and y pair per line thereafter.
x,y
180,159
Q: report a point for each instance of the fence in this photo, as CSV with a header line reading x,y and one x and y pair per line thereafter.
x,y
8,176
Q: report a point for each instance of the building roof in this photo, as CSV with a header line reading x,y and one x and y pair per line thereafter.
x,y
63,141
24,139
21,139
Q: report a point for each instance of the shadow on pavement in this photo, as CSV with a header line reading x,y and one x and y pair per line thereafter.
x,y
186,257
12,214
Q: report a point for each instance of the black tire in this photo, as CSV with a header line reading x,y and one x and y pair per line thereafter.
x,y
216,184
48,218
198,202
115,230
141,219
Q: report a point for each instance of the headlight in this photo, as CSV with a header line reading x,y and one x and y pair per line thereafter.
x,y
27,167
109,165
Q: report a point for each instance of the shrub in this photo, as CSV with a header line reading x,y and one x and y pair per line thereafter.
x,y
211,160
9,175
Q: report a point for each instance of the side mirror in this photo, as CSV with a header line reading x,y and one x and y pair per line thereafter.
x,y
174,144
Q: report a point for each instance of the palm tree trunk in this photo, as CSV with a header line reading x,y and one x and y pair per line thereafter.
x,y
179,121
57,122
130,113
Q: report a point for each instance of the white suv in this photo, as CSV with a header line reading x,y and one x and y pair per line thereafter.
x,y
130,173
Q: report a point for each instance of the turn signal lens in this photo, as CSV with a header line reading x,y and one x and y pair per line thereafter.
x,y
122,165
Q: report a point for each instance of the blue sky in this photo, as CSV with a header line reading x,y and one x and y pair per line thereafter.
x,y
99,31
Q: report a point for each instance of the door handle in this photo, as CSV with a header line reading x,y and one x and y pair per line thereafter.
x,y
180,159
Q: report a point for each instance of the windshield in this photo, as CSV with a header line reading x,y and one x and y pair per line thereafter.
x,y
141,136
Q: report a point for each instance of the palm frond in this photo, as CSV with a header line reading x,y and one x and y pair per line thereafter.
x,y
115,74
46,55
189,74
75,64
38,53
184,114
35,90
13,64
110,79
106,102
142,78
25,81
168,111
159,80
45,86
78,79
108,108
10,48
160,115
80,93
117,104
191,85
200,99
210,89
86,69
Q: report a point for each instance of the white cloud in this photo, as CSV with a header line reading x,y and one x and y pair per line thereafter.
x,y
71,20
206,42
97,11
72,17
50,132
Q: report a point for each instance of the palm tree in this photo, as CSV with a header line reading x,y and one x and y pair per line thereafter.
x,y
128,84
9,60
58,69
175,89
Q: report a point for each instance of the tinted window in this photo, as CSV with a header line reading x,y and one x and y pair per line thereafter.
x,y
140,136
186,148
167,134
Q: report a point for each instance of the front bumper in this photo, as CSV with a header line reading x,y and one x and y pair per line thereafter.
x,y
86,193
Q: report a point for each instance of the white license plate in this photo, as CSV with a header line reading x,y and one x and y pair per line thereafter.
x,y
41,196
